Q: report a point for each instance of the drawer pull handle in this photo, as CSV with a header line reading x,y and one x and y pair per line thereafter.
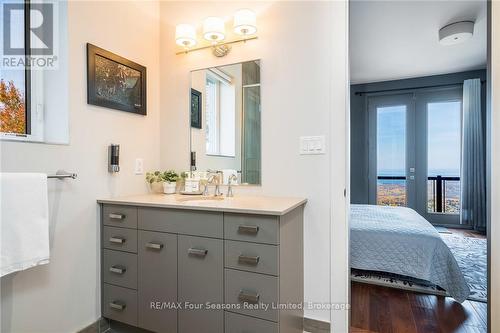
x,y
248,297
118,305
117,216
248,260
154,246
117,240
117,269
248,229
198,252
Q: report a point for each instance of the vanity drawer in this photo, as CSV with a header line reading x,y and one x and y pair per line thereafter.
x,y
251,228
236,323
119,304
120,268
119,216
253,289
251,257
121,239
187,222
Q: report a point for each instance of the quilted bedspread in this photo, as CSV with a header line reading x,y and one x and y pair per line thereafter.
x,y
398,240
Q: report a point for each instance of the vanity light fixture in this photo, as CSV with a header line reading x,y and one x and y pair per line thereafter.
x,y
213,29
244,24
185,35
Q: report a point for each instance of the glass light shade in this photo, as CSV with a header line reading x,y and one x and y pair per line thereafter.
x,y
213,29
245,22
185,35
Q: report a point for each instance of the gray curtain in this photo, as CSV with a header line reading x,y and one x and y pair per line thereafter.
x,y
473,192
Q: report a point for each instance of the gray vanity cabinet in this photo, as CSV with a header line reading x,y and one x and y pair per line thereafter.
x,y
157,281
216,265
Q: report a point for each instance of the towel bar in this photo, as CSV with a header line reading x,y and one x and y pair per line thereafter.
x,y
61,174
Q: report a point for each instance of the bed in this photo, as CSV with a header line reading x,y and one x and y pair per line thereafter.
x,y
400,241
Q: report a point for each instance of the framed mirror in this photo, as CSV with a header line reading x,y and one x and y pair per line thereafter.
x,y
225,121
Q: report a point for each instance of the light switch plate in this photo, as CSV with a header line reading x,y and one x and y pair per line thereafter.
x,y
312,145
139,166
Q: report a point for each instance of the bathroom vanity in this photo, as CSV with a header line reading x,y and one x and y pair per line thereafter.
x,y
196,264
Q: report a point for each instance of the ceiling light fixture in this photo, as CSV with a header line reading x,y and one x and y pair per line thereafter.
x,y
456,33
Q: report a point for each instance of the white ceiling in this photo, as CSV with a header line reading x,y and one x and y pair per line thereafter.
x,y
399,39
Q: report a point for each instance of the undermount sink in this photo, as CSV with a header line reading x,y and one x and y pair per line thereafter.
x,y
199,198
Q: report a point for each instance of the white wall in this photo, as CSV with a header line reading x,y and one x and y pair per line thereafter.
x,y
495,171
295,46
63,296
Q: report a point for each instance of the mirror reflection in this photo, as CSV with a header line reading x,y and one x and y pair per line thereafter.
x,y
225,118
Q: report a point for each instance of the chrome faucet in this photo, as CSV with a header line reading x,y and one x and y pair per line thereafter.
x,y
215,178
230,185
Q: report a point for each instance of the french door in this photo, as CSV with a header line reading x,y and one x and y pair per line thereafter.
x,y
415,152
391,150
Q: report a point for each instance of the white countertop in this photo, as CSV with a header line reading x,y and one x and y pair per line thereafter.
x,y
237,204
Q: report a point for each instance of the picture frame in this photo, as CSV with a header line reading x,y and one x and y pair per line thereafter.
x,y
196,117
115,82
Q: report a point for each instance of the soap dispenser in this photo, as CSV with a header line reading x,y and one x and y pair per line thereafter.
x,y
113,158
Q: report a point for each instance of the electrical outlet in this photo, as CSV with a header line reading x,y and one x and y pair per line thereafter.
x,y
139,166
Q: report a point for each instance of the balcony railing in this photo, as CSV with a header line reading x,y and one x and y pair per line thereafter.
x,y
439,200
439,195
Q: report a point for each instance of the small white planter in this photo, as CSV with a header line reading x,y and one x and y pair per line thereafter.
x,y
169,188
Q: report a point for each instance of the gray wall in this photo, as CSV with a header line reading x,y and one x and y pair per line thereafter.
x,y
359,120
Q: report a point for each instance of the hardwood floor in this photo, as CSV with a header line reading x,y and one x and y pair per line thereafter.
x,y
376,309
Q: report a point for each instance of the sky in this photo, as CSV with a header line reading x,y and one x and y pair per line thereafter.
x,y
443,142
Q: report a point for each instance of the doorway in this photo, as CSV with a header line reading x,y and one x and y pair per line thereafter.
x,y
410,108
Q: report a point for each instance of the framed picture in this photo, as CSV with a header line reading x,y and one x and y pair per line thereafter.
x,y
195,108
115,82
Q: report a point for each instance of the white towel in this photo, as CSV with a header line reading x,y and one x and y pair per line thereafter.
x,y
24,221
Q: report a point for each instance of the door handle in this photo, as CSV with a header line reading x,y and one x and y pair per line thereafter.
x,y
248,297
117,269
117,216
118,305
197,252
154,246
249,260
248,229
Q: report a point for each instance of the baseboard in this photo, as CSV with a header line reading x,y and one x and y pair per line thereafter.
x,y
316,326
99,326
310,325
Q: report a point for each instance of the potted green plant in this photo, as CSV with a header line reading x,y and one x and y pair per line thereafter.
x,y
162,181
170,180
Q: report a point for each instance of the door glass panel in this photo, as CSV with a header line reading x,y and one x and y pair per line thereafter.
x,y
391,155
443,157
